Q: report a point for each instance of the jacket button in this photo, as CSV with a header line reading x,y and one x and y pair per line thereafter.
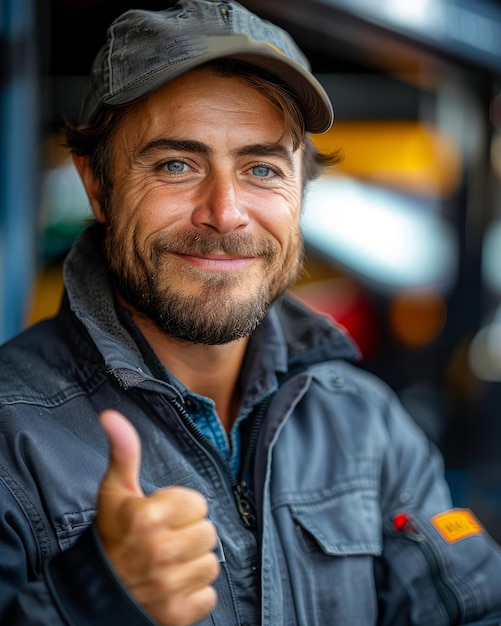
x,y
335,381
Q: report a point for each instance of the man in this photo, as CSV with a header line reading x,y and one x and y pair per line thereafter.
x,y
184,443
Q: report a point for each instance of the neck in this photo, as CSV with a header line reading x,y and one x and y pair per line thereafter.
x,y
210,371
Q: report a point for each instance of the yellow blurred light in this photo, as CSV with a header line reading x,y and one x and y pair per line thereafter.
x,y
406,155
47,294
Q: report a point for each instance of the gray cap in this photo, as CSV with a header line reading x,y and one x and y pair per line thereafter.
x,y
146,49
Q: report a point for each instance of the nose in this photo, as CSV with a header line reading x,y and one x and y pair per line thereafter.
x,y
218,207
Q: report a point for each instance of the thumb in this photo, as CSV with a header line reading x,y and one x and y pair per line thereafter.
x,y
125,454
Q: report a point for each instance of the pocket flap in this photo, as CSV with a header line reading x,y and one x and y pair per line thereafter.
x,y
345,524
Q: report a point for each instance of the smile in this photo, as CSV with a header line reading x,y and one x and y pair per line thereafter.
x,y
217,263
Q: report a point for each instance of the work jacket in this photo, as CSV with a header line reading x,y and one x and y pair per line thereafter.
x,y
352,523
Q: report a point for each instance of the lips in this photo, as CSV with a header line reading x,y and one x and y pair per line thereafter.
x,y
217,262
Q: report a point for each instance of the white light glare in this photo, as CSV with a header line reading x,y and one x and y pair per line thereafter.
x,y
385,236
416,14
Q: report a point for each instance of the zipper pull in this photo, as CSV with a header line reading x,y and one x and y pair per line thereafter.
x,y
244,505
225,9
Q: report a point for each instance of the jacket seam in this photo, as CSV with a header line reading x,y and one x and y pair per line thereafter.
x,y
31,515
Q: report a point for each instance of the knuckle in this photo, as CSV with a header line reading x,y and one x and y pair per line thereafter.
x,y
171,551
204,601
214,567
172,583
211,532
142,516
186,610
191,499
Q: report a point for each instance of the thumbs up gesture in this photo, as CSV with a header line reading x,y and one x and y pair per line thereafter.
x,y
161,545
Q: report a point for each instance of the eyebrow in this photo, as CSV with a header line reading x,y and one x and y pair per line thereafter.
x,y
183,145
189,145
266,150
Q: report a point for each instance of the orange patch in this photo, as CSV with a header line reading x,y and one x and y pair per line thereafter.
x,y
456,524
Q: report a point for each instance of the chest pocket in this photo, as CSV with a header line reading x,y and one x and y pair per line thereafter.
x,y
346,524
338,539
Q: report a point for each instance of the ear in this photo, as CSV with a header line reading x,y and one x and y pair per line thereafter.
x,y
91,184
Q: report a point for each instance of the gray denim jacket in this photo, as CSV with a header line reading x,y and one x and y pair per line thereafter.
x,y
346,488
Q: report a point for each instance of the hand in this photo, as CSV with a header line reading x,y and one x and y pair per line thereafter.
x,y
160,546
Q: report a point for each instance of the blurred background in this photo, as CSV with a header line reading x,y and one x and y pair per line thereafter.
x,y
403,238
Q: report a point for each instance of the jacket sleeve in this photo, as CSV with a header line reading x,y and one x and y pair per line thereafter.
x,y
439,565
77,587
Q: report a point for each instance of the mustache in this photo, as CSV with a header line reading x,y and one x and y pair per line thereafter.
x,y
205,243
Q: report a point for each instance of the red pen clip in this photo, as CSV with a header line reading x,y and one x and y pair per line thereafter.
x,y
402,523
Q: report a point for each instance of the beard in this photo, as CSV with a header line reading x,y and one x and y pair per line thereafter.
x,y
224,309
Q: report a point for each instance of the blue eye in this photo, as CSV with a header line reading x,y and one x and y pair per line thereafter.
x,y
175,167
262,171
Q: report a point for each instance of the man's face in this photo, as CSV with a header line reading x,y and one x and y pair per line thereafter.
x,y
203,220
